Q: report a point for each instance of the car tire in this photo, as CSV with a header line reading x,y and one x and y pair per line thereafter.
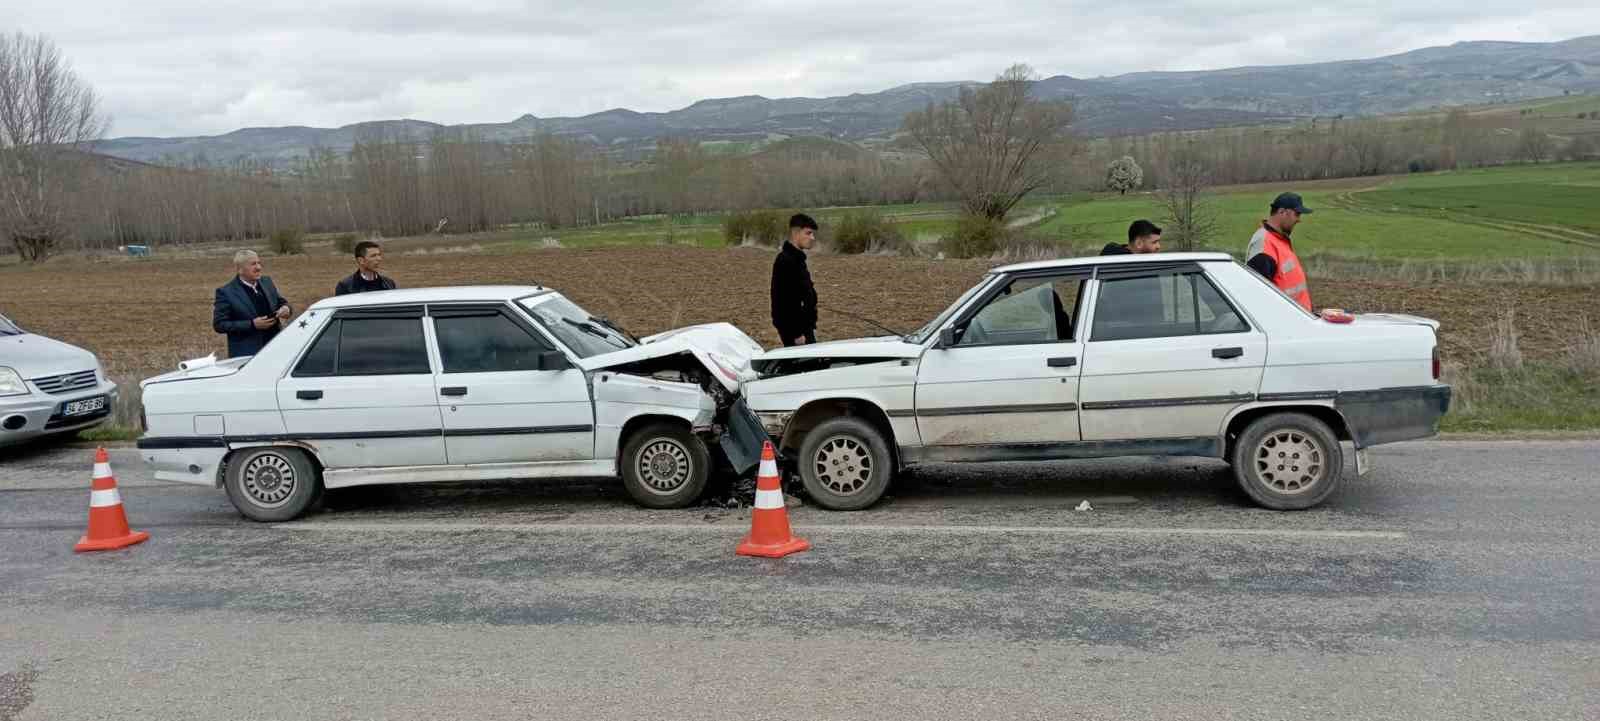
x,y
845,464
665,466
272,484
1288,461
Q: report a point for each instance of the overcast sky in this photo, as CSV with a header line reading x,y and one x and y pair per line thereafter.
x,y
166,67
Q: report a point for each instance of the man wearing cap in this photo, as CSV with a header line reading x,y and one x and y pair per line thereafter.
x,y
1271,254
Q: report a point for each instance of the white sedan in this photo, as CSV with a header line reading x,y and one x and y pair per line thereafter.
x,y
448,384
1136,355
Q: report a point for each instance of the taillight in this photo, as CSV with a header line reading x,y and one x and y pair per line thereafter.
x,y
1436,363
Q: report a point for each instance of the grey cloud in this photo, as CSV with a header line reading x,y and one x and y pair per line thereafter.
x,y
169,67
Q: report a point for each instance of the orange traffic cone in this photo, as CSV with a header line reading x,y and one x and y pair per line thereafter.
x,y
769,522
108,526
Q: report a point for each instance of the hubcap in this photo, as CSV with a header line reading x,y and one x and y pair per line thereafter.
x,y
843,465
664,466
269,480
1290,462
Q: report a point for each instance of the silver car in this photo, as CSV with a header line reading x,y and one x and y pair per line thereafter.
x,y
48,387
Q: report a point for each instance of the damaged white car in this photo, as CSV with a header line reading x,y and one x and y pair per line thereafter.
x,y
1132,355
451,384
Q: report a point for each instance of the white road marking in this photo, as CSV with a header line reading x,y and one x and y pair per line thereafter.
x,y
461,527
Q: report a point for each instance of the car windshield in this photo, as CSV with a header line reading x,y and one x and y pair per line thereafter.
x,y
922,334
585,334
8,328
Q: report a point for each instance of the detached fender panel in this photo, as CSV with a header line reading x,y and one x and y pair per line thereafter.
x,y
1389,415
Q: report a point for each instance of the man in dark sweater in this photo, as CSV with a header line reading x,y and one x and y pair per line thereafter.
x,y
1143,237
794,298
248,309
369,257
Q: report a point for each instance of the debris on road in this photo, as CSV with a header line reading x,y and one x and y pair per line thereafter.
x,y
1084,506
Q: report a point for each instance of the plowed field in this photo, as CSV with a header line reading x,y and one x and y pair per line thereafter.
x,y
143,316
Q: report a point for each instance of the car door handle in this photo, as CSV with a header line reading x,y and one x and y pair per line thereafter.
x,y
308,395
1233,352
453,391
1063,362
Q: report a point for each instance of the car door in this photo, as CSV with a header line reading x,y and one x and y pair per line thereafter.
x,y
1006,372
363,393
1168,356
506,394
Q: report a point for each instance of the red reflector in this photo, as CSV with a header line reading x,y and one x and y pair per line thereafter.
x,y
1336,315
1436,363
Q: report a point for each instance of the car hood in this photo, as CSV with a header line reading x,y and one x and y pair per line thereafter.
x,y
35,356
888,346
197,368
722,348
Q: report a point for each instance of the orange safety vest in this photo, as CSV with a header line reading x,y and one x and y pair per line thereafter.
x,y
1291,277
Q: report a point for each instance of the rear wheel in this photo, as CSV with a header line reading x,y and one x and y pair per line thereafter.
x,y
665,466
845,464
272,484
1288,461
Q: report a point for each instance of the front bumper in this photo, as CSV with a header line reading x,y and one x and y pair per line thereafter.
x,y
41,415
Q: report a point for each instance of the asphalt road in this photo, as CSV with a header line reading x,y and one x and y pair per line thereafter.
x,y
1459,580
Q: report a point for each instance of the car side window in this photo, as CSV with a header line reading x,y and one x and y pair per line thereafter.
x,y
323,358
1029,310
487,343
382,346
1162,306
367,346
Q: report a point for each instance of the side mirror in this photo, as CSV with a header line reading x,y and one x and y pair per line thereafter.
x,y
949,337
553,360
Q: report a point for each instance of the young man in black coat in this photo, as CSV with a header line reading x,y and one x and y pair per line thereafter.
x,y
248,309
1143,237
369,258
794,298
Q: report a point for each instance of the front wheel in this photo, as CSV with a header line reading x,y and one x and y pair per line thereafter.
x,y
665,466
272,484
1288,461
845,464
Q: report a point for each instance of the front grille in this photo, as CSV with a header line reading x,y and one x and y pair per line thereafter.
x,y
66,383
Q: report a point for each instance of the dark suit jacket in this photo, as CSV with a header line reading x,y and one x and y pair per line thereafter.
x,y
234,313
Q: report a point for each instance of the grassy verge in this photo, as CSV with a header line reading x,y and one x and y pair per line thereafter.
x,y
109,433
1531,398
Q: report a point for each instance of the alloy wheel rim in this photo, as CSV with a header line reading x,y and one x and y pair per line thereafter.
x,y
1290,461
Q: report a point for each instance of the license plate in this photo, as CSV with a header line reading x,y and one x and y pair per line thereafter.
x,y
84,407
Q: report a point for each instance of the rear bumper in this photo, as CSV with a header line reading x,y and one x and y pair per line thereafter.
x,y
1389,415
197,462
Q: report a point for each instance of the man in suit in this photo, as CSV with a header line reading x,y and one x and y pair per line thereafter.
x,y
248,309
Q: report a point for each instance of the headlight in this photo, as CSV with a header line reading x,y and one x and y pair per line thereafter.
x,y
11,384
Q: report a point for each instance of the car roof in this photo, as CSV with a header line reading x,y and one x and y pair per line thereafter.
x,y
1111,260
444,294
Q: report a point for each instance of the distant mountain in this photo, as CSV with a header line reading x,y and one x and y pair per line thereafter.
x,y
1464,73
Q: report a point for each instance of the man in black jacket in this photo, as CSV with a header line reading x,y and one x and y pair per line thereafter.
x,y
369,258
794,298
1143,237
248,309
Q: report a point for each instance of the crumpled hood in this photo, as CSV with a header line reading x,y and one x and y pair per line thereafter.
x,y
220,368
888,346
720,347
35,356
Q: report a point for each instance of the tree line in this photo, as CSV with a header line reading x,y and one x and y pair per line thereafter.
x,y
988,148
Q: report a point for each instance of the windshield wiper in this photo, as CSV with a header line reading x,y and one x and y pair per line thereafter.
x,y
590,329
602,320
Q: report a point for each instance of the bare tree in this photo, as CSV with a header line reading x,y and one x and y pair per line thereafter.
x,y
991,144
1124,174
1191,216
48,117
1534,146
